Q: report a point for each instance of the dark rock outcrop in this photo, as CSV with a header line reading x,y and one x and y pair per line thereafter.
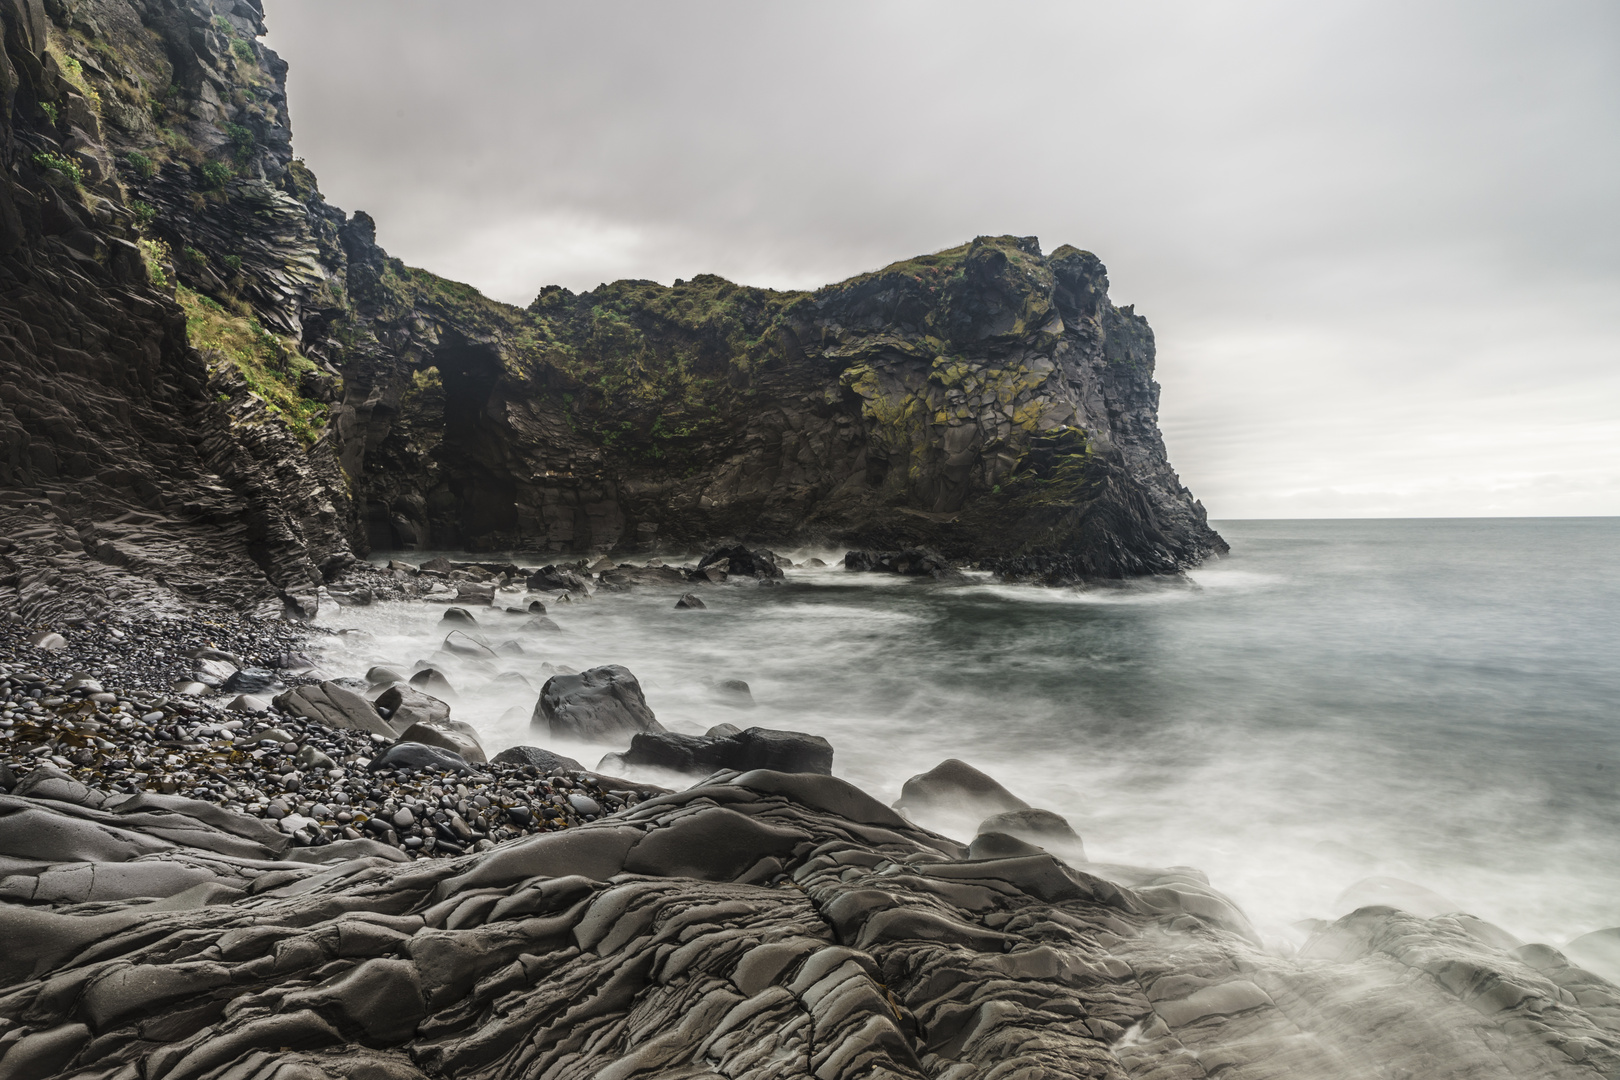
x,y
602,704
754,748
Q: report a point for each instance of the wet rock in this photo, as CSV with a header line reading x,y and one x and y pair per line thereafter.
x,y
406,706
543,760
601,704
956,786
469,593
385,676
733,692
754,748
460,643
48,641
334,706
541,624
624,577
741,561
247,703
912,561
252,680
411,755
440,565
556,579
452,735
690,601
1040,827
431,681
458,617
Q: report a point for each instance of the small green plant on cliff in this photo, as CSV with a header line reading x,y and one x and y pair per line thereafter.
x,y
215,175
268,365
73,72
50,159
243,51
141,165
242,140
191,260
143,212
233,263
52,113
155,253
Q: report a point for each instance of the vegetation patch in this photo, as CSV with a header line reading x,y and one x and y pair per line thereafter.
x,y
50,159
155,253
270,366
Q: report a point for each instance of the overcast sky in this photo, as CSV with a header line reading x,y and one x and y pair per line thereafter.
x,y
1379,243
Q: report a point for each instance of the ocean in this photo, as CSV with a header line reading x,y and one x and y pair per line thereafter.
x,y
1338,712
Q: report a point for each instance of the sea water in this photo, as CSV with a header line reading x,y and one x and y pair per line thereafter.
x,y
1432,704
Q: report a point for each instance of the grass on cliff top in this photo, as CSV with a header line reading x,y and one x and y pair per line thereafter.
x,y
267,364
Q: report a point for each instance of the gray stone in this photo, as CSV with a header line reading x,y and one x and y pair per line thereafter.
x,y
452,735
690,601
407,706
600,704
335,706
544,760
956,785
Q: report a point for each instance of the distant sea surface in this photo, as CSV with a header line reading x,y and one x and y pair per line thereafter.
x,y
1431,701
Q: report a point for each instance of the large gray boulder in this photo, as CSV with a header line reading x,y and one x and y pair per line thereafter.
x,y
335,706
452,735
600,705
405,706
755,748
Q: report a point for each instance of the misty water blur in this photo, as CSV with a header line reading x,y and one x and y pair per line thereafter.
x,y
1432,701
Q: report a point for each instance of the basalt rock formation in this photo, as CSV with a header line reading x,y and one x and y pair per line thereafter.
x,y
760,925
219,387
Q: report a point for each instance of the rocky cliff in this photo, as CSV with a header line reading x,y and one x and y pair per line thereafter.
x,y
219,387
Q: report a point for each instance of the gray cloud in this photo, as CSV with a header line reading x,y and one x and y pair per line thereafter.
x,y
1379,242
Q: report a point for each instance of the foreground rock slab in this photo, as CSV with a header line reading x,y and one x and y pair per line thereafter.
x,y
759,925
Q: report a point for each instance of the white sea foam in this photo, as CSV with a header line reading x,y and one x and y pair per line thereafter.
x,y
1337,701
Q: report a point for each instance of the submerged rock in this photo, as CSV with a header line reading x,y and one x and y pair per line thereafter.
x,y
690,602
599,705
956,786
741,561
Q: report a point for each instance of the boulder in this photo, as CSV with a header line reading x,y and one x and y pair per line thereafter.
x,y
1040,827
253,680
463,644
431,680
441,565
336,707
452,735
469,593
48,641
548,763
247,703
543,624
405,706
917,562
412,755
690,602
555,579
743,562
755,748
623,577
734,692
458,616
385,676
603,703
954,785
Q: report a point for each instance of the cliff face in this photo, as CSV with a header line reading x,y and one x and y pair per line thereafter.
x,y
219,387
134,470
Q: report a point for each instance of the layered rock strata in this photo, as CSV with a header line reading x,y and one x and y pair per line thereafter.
x,y
758,925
